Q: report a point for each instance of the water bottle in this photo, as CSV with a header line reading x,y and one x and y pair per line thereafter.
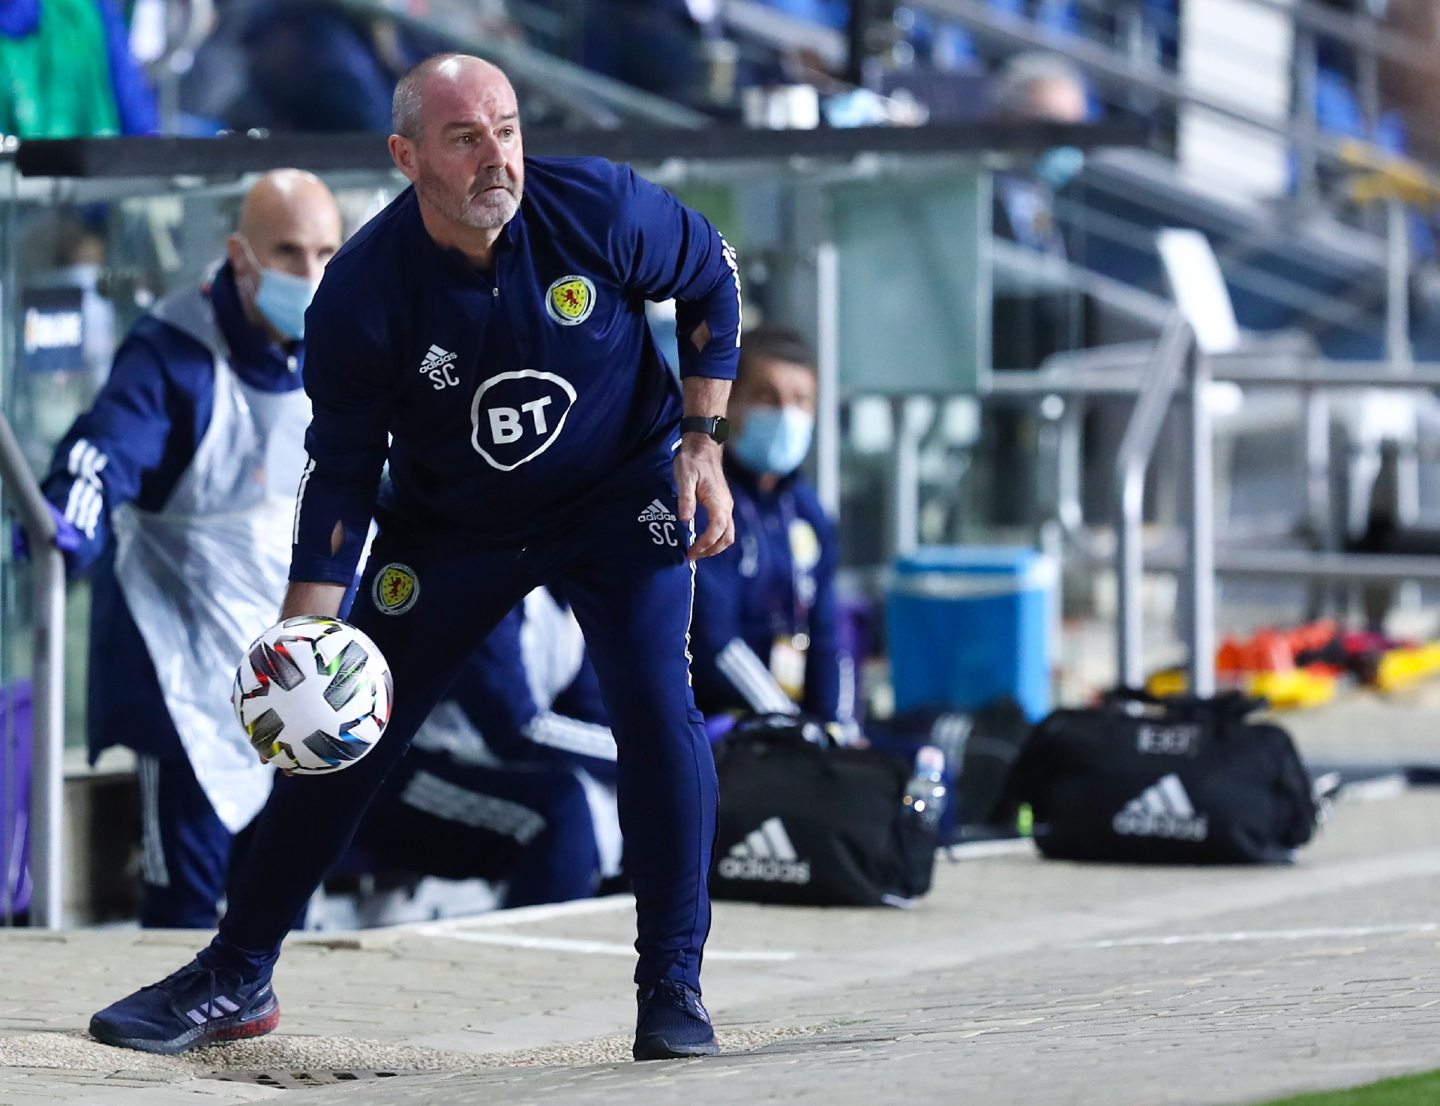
x,y
926,794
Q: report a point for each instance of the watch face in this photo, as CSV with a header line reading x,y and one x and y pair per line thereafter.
x,y
721,433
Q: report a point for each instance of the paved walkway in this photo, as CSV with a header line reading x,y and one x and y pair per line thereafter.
x,y
1017,982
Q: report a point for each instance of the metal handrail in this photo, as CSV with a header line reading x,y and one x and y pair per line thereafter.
x,y
1106,68
1362,32
1167,366
48,703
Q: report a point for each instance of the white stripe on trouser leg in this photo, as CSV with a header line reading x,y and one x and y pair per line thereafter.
x,y
152,852
690,613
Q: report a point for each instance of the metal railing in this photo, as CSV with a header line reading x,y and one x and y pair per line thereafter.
x,y
1129,72
1173,353
1151,375
598,99
47,740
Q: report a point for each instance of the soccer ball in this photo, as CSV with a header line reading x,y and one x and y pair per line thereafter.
x,y
312,694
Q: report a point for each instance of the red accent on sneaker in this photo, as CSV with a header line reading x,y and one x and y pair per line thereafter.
x,y
257,1028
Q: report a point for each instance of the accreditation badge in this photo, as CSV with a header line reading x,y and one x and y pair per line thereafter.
x,y
787,663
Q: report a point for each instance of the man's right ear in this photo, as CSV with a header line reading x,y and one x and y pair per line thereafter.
x,y
235,251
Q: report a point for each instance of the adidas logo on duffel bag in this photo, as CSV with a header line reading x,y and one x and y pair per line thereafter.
x,y
1163,810
765,855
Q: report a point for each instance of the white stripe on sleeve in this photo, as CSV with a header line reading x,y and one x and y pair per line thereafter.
x,y
300,499
749,676
559,732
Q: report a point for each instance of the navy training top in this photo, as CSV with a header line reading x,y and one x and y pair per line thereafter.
x,y
511,397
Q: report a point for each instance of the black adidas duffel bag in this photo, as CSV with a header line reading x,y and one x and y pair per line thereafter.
x,y
1165,781
808,823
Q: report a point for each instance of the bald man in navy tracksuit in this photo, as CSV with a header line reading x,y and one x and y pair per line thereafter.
x,y
494,350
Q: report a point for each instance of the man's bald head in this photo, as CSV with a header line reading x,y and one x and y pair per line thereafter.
x,y
288,223
457,139
286,197
442,75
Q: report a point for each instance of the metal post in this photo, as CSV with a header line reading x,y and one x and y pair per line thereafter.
x,y
855,28
1200,556
47,780
1054,444
1153,401
1307,67
1070,465
1318,503
827,371
908,433
1397,287
48,704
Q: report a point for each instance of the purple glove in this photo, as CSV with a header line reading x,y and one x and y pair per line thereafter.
x,y
718,725
67,538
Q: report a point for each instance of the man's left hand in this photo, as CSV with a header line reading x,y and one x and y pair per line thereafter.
x,y
700,478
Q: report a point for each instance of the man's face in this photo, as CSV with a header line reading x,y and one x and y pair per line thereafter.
x,y
1056,101
767,382
299,238
469,158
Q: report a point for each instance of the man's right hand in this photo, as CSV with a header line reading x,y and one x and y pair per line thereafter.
x,y
67,539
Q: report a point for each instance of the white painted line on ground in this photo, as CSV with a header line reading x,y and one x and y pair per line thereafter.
x,y
1260,935
981,850
607,948
1379,789
520,915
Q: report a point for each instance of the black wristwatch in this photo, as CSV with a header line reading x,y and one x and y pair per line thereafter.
x,y
717,426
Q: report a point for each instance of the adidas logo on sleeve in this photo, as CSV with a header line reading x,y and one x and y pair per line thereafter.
x,y
766,855
1162,810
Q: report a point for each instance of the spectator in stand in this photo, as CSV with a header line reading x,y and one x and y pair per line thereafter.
x,y
68,73
1030,323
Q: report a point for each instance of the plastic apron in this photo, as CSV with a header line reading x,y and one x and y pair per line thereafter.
x,y
204,576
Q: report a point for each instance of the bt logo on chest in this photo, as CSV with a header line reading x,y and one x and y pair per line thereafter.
x,y
517,416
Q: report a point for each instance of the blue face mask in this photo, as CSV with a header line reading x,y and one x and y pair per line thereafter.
x,y
282,298
774,440
1059,165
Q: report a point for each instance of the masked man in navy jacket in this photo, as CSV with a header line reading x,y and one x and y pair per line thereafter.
x,y
765,622
180,482
485,336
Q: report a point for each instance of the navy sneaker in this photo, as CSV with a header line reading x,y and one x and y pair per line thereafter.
x,y
194,1006
672,1023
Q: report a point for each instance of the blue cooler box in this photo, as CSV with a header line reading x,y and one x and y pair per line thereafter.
x,y
968,624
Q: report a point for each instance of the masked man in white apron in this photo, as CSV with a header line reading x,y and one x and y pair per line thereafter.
x,y
178,486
